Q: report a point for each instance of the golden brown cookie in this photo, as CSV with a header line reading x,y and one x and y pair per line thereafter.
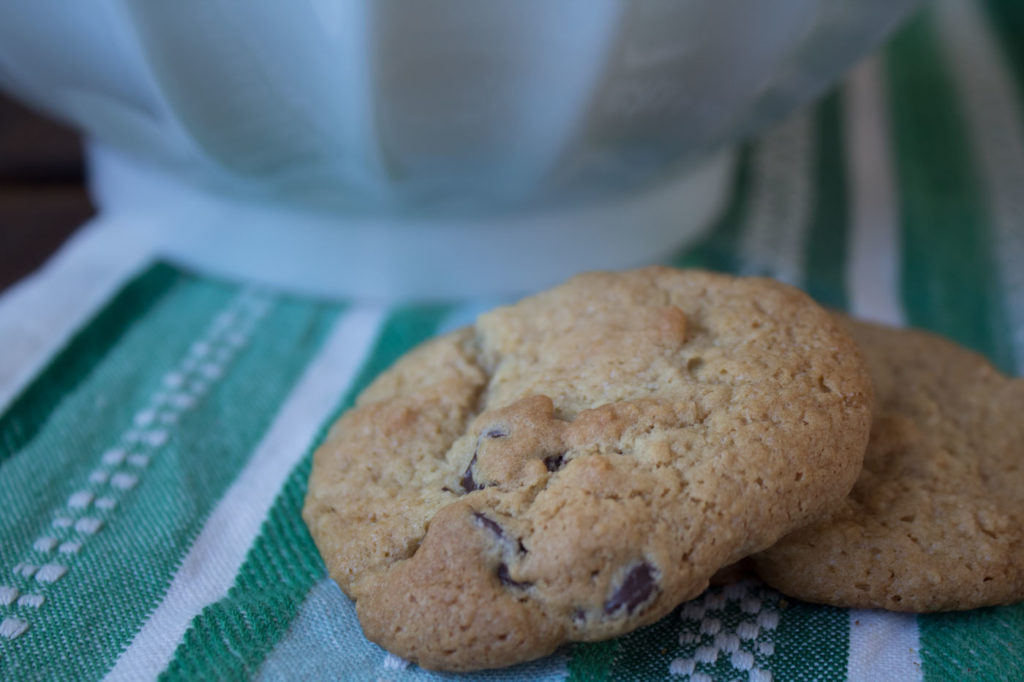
x,y
576,465
936,519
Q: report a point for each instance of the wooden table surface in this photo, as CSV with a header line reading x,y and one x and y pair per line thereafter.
x,y
42,190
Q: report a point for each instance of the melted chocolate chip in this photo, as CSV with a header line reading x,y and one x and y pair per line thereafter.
x,y
499,532
496,432
506,579
489,524
636,588
469,484
554,462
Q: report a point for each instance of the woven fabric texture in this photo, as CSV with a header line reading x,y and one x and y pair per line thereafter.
x,y
153,470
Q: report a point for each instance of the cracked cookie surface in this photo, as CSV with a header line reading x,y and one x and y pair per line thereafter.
x,y
574,466
936,519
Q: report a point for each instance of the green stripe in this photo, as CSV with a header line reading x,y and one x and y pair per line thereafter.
x,y
717,251
825,257
983,644
23,419
812,642
1007,21
592,661
122,571
949,287
998,632
949,275
89,419
229,639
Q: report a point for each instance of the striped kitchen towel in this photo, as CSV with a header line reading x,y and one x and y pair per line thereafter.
x,y
156,424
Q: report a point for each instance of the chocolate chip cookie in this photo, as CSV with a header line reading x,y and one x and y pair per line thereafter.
x,y
574,466
936,520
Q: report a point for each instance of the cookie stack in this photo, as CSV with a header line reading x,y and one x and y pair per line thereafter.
x,y
575,466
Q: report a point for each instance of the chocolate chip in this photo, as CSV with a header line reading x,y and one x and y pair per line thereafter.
x,y
496,432
636,588
554,462
506,579
499,532
489,524
469,484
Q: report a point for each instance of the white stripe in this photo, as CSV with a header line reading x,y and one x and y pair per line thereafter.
x,y
873,272
883,646
212,562
39,314
991,103
775,232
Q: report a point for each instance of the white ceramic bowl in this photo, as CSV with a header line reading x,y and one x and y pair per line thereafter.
x,y
436,147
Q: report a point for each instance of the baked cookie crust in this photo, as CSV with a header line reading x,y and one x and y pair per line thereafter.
x,y
574,466
935,521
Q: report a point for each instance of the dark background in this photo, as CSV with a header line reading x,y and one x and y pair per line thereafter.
x,y
42,191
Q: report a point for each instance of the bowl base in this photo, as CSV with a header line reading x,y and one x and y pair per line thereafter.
x,y
408,259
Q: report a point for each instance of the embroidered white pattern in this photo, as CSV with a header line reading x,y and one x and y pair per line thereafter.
x,y
44,544
140,461
88,525
711,626
12,628
742,660
211,371
25,570
114,456
81,499
7,595
106,503
205,361
198,387
725,631
155,438
682,666
124,481
145,417
183,401
393,662
51,573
